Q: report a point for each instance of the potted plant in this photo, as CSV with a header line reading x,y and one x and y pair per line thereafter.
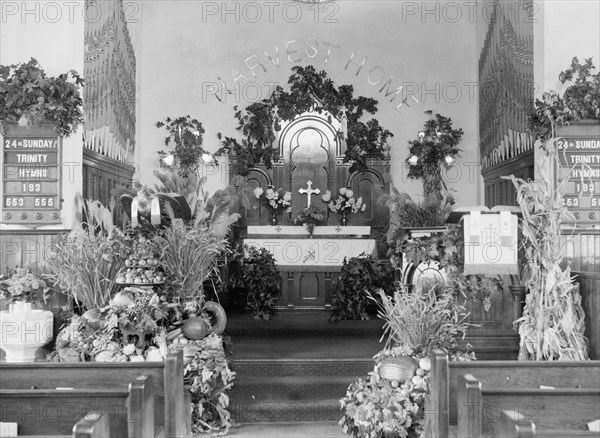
x,y
309,217
24,329
259,277
276,201
344,203
28,96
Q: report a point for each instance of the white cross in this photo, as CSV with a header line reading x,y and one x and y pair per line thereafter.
x,y
309,191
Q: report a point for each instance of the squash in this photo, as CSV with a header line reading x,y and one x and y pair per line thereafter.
x,y
121,299
398,368
219,318
195,328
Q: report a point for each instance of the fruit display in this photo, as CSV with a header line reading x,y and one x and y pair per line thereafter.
x,y
142,267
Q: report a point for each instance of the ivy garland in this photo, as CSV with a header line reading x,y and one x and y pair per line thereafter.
x,y
260,121
28,96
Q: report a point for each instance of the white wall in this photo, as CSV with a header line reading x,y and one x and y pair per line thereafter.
x,y
51,32
187,45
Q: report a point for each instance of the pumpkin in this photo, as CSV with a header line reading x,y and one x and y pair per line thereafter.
x,y
94,319
398,368
219,318
195,328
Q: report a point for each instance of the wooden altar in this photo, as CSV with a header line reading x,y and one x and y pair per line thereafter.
x,y
311,149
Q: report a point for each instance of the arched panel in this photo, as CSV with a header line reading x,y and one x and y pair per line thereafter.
x,y
256,178
309,287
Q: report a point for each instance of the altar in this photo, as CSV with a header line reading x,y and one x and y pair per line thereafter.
x,y
307,266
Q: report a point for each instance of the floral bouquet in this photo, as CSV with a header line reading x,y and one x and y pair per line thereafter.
x,y
310,215
22,285
344,203
275,200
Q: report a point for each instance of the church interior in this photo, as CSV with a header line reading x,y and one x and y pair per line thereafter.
x,y
300,218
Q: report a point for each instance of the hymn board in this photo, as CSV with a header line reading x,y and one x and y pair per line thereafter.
x,y
579,166
31,176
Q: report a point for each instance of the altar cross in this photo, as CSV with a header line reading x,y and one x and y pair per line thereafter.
x,y
309,191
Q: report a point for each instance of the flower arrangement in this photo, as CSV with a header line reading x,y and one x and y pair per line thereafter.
x,y
22,285
345,202
310,215
435,146
28,96
276,201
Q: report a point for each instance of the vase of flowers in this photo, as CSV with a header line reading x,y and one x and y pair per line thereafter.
x,y
23,329
276,201
309,217
344,204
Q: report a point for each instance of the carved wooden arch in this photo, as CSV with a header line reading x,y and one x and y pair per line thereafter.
x,y
320,120
377,174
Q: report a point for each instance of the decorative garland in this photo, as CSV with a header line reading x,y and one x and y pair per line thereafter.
x,y
260,121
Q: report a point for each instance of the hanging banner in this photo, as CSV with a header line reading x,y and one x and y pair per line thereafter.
x,y
491,243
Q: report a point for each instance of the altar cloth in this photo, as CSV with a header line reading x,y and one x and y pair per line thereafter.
x,y
314,252
299,230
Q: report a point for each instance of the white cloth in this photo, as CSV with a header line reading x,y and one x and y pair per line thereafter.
x,y
313,252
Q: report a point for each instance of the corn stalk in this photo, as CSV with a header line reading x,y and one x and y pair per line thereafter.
x,y
552,325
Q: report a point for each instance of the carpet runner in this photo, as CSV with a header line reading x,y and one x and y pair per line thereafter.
x,y
296,367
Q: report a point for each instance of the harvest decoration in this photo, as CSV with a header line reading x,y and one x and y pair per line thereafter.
x,y
435,147
260,121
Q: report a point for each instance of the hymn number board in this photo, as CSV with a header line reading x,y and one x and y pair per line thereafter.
x,y
579,165
31,177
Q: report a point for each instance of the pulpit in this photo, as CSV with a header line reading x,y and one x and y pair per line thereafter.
x,y
309,267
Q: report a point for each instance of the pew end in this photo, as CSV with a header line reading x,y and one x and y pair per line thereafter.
x,y
93,425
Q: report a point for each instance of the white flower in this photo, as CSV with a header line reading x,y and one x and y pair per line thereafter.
x,y
169,160
413,160
270,194
287,197
349,193
449,160
421,134
343,191
129,349
258,192
327,196
137,359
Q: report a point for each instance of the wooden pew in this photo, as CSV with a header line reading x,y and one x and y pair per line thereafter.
x,y
93,425
512,425
51,412
555,412
172,402
441,405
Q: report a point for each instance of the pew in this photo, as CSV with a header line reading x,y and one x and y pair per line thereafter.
x,y
561,412
52,412
172,402
93,425
512,425
441,404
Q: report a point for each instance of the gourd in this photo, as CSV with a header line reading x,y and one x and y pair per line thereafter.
x,y
219,319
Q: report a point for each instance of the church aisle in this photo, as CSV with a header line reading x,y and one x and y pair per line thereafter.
x,y
286,430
